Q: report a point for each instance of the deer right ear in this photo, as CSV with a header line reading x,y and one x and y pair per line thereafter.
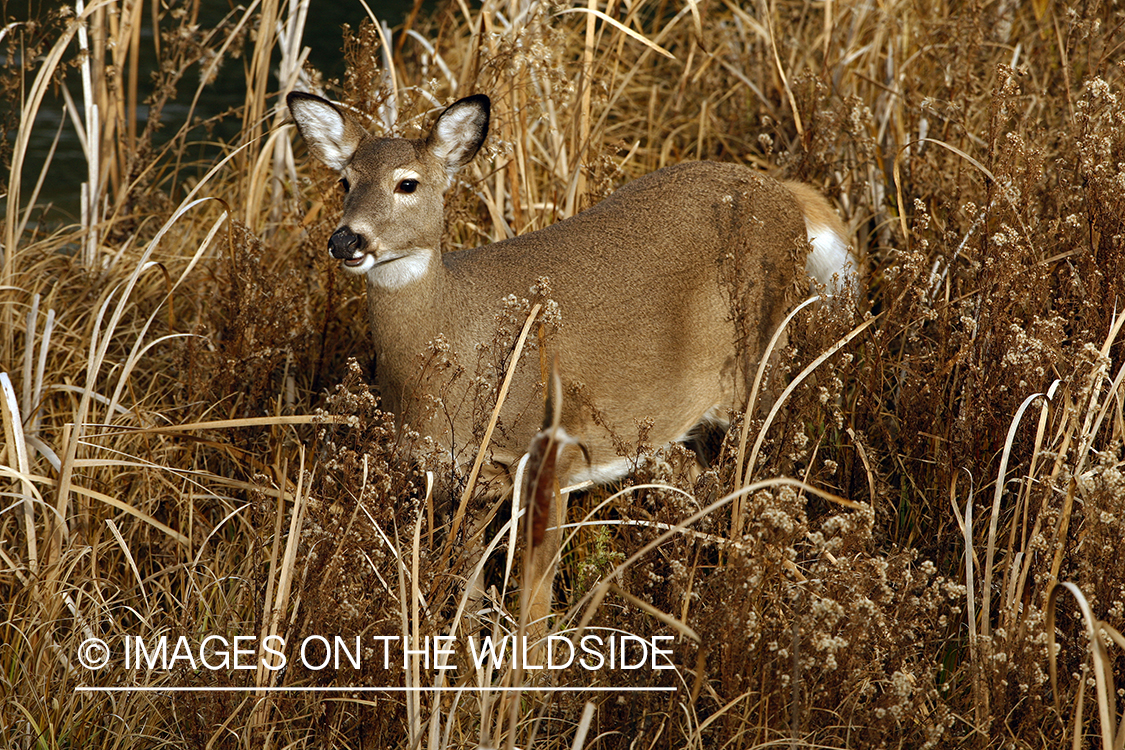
x,y
459,132
332,135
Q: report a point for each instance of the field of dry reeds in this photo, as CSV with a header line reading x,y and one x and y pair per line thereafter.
x,y
922,546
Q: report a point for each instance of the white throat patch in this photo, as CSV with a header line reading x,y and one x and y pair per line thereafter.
x,y
395,273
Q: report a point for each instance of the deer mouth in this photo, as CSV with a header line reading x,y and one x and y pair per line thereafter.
x,y
360,263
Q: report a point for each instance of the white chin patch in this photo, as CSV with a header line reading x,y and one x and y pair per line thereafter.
x,y
396,272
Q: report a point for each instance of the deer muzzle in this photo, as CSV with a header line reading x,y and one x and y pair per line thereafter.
x,y
346,245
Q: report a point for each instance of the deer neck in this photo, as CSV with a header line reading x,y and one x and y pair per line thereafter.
x,y
406,312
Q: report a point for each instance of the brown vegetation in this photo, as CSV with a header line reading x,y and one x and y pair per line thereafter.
x,y
189,452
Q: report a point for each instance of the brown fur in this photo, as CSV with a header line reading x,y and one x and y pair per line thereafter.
x,y
647,334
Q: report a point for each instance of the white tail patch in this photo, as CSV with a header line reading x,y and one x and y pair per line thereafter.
x,y
830,262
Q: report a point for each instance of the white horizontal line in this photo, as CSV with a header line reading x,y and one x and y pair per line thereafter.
x,y
368,689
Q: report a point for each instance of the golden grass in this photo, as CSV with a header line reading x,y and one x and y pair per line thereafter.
x,y
188,452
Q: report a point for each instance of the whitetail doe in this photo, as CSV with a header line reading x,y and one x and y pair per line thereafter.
x,y
643,281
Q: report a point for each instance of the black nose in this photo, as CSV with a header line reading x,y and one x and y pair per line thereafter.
x,y
345,244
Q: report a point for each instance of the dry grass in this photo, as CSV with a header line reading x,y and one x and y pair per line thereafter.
x,y
188,452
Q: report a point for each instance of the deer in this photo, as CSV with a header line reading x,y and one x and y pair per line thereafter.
x,y
647,331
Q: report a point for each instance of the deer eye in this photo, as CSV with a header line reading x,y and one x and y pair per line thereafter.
x,y
345,184
407,186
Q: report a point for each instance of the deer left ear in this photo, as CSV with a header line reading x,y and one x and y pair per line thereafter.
x,y
459,132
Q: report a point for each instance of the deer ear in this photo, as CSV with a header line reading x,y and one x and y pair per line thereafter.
x,y
459,132
331,134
